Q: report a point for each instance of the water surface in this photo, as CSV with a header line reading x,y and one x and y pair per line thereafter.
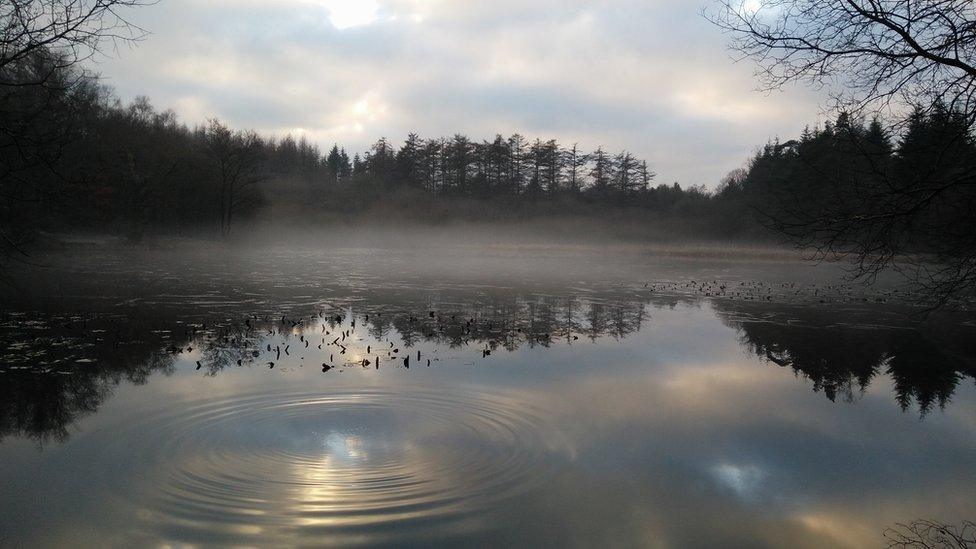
x,y
555,397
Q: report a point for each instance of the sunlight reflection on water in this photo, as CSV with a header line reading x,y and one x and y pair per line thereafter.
x,y
571,410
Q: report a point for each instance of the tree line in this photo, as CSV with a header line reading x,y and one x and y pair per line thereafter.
x,y
926,368
881,57
501,167
863,190
73,156
84,160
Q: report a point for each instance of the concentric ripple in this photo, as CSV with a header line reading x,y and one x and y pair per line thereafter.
x,y
343,467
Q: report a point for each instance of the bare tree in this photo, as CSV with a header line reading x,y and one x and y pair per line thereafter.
x,y
883,53
237,158
42,43
74,30
889,57
929,534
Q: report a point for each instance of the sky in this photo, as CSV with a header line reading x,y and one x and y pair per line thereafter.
x,y
649,76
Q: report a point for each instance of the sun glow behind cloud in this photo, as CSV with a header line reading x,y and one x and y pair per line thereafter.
x,y
346,14
644,75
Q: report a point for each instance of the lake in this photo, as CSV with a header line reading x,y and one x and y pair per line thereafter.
x,y
520,395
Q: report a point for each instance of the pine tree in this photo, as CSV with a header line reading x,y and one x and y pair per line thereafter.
x,y
601,173
574,162
458,159
552,166
408,162
517,164
537,160
625,180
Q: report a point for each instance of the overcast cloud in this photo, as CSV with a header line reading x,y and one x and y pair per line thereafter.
x,y
648,76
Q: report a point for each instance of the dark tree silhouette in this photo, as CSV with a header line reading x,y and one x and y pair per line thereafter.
x,y
881,51
886,55
931,534
847,190
72,30
575,162
42,43
237,165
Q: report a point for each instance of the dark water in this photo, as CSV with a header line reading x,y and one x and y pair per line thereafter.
x,y
490,396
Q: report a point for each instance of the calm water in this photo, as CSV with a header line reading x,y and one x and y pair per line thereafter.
x,y
491,396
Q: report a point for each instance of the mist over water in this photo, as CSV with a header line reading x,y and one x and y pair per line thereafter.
x,y
321,389
399,273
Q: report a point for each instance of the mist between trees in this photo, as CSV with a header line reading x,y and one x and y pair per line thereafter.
x,y
75,158
86,161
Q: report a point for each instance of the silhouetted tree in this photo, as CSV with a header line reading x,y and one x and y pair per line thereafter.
x,y
457,163
601,173
43,93
889,55
575,161
919,51
931,534
845,191
337,164
429,164
235,158
408,168
517,169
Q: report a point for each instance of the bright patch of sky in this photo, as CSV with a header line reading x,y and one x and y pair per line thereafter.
x,y
649,76
745,481
345,14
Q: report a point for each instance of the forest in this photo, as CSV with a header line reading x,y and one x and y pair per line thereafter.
x,y
454,274
75,158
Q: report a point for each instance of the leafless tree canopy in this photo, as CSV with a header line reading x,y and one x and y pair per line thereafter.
x,y
929,534
883,53
42,45
237,160
72,30
913,60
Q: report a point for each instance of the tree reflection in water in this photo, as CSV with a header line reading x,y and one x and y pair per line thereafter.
x,y
843,352
58,368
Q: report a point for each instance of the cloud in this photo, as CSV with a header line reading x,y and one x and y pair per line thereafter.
x,y
344,14
650,77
